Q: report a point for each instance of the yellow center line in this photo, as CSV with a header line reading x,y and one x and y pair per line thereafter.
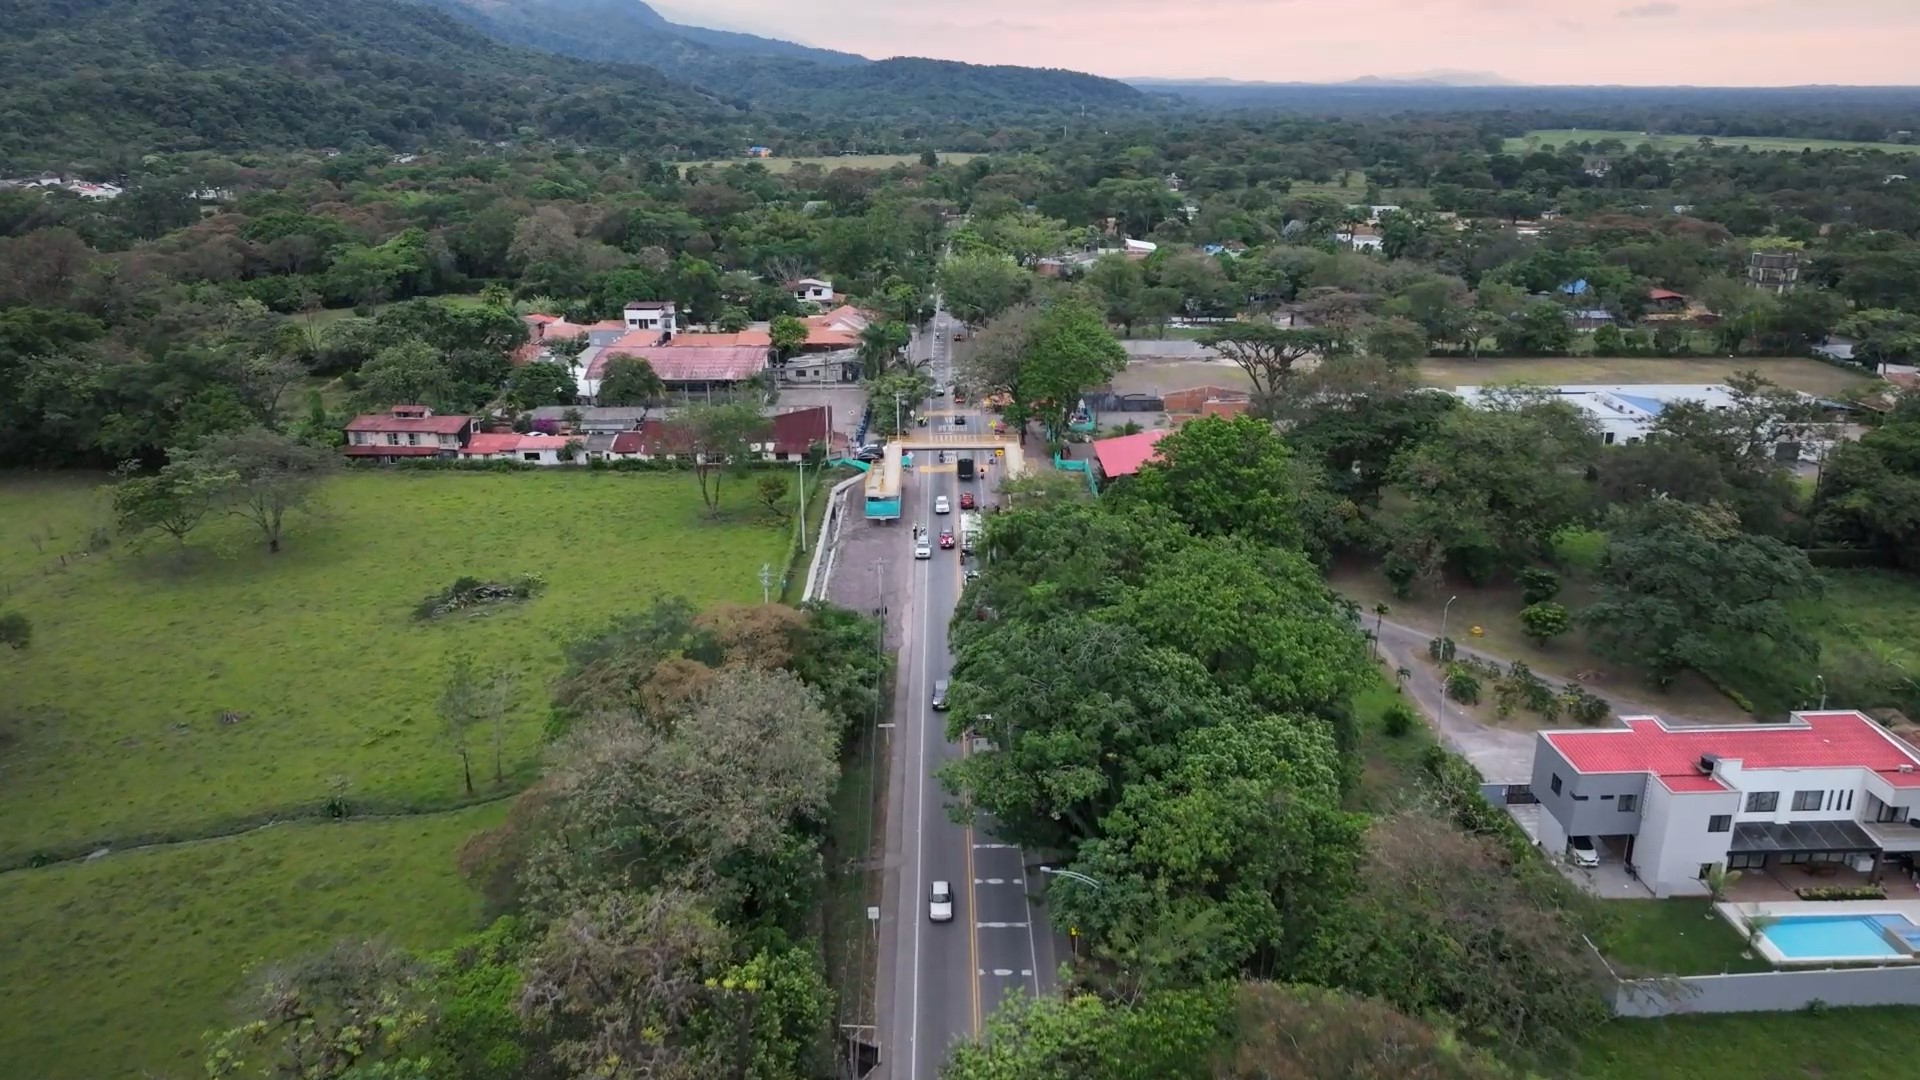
x,y
973,894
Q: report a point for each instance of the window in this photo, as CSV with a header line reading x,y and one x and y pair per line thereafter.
x,y
393,439
1629,803
1891,813
1746,862
1720,823
1807,800
1608,438
1556,783
1847,802
413,439
1762,802
530,455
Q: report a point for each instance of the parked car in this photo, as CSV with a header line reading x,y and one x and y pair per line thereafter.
x,y
869,453
940,695
941,505
946,540
1582,851
971,574
940,902
966,500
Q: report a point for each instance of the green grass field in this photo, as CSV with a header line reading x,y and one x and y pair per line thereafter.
x,y
1672,937
118,967
1669,143
116,723
1854,1044
829,163
1809,376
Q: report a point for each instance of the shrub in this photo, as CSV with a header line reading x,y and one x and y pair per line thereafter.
x,y
1441,650
1538,586
1398,720
1584,706
1463,686
1841,892
1545,621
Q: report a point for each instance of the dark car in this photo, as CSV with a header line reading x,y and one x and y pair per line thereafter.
x,y
940,695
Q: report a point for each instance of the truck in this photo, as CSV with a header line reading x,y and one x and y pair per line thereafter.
x,y
966,469
969,529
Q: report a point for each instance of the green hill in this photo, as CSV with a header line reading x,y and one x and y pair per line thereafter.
x,y
108,79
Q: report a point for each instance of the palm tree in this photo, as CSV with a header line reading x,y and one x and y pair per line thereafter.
x,y
1379,620
1718,880
880,343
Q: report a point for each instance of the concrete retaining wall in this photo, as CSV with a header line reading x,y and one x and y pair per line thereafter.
x,y
1769,991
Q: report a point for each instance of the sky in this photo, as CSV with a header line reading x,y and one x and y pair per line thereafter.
x,y
1634,42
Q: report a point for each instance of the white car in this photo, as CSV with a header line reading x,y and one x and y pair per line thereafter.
x,y
1581,850
940,902
941,505
922,549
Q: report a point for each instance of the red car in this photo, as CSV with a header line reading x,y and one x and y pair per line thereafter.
x,y
946,539
966,500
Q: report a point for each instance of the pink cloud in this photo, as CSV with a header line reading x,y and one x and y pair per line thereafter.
x,y
1643,42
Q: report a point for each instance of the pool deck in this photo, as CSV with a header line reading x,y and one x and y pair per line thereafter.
x,y
1736,915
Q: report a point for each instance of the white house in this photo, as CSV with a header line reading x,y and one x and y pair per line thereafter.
x,y
531,449
651,315
1673,802
812,291
1363,238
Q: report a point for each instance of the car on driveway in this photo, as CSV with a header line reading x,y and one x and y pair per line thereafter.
x,y
966,500
1582,851
940,902
941,505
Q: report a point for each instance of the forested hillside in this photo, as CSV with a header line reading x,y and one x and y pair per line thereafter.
x,y
106,79
819,87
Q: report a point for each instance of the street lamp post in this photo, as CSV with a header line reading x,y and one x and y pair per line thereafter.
x,y
896,414
1443,660
1823,690
1072,875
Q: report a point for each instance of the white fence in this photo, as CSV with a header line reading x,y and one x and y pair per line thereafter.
x,y
1768,991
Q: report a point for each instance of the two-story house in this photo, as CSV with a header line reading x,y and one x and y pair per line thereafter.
x,y
1672,802
655,315
406,431
812,291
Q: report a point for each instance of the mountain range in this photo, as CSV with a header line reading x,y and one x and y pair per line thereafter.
x,y
101,82
1441,77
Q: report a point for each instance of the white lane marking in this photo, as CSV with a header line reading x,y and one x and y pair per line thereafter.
x,y
1033,950
886,725
1000,925
991,847
919,815
1026,973
1003,972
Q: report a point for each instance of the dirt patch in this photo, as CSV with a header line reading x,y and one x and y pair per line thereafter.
x,y
1808,376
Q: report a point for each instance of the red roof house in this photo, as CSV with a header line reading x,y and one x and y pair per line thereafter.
x,y
406,431
1124,454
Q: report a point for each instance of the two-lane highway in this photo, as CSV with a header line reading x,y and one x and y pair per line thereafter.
x,y
940,981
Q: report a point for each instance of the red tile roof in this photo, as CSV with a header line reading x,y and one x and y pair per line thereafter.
x,y
377,450
744,337
795,431
387,422
1123,456
1827,740
689,363
1665,294
491,443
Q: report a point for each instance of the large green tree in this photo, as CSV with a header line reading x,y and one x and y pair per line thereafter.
x,y
1226,477
1681,587
978,287
1069,351
1267,353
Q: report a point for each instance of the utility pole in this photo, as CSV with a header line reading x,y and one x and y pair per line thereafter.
x,y
766,583
803,504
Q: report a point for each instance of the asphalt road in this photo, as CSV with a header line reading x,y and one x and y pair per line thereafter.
x,y
939,981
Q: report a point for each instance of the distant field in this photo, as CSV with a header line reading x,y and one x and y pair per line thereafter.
x,y
1670,143
117,967
1808,376
838,161
1854,1044
158,701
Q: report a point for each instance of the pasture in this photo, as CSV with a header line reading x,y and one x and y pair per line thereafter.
x,y
1557,137
173,694
119,966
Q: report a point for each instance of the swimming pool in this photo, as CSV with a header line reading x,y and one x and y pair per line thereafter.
x,y
1808,937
